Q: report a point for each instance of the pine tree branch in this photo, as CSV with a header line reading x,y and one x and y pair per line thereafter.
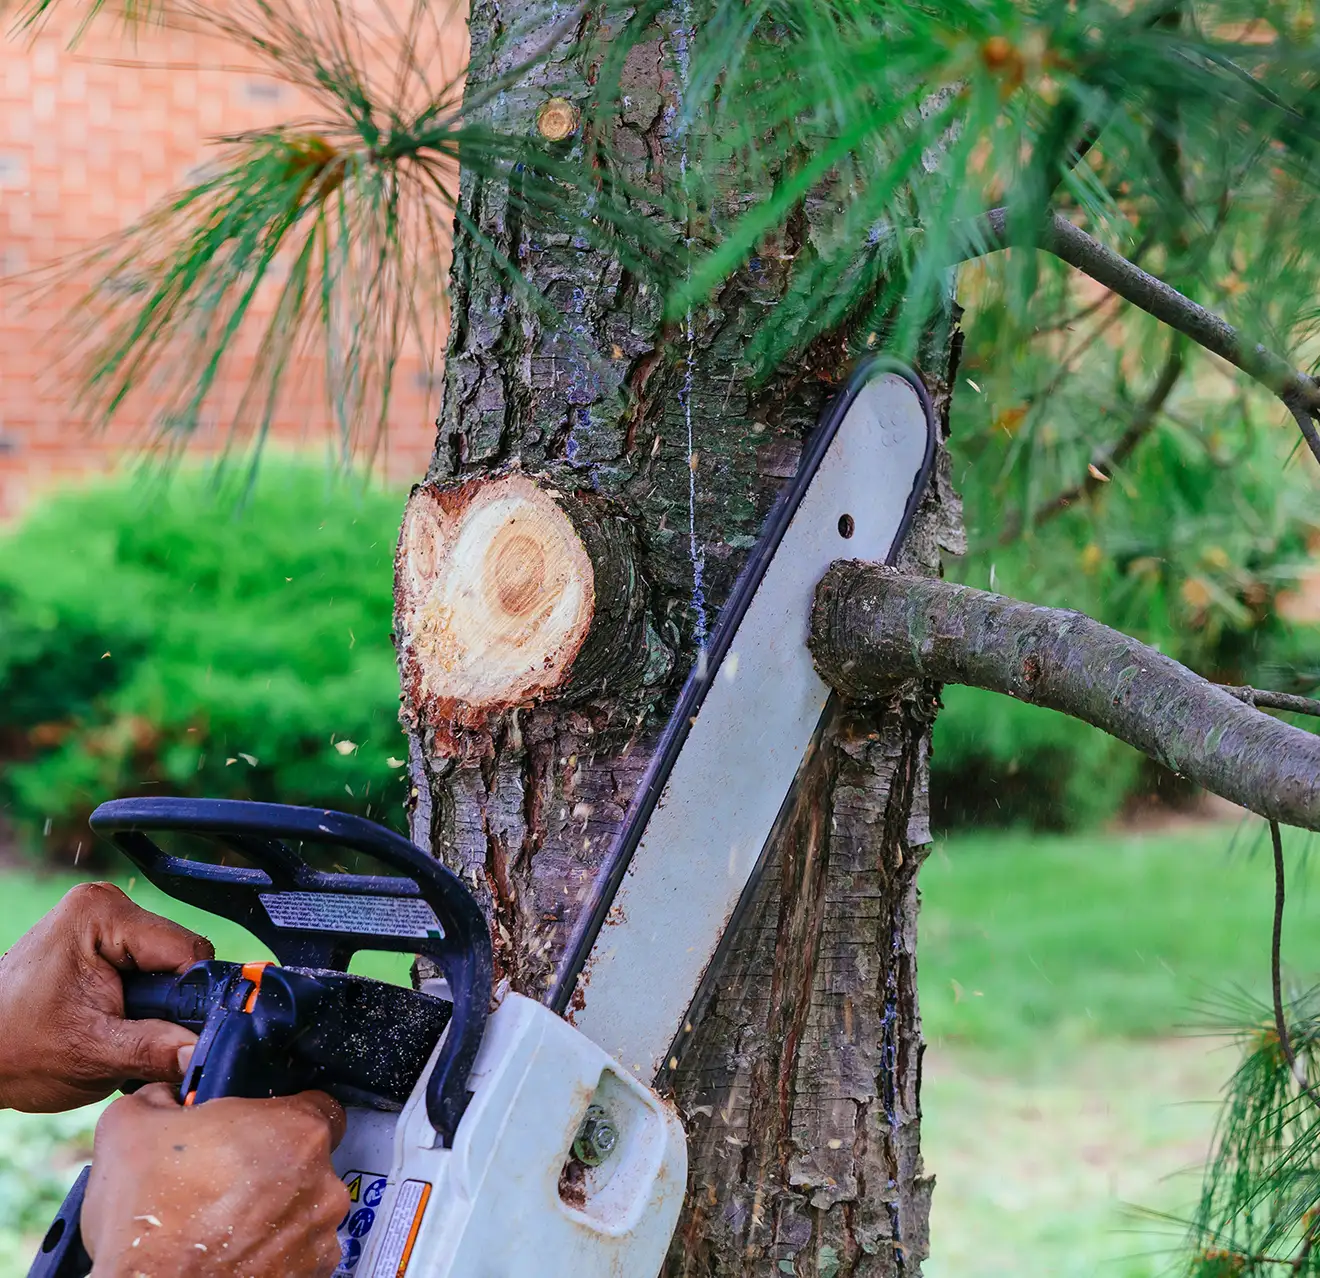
x,y
1103,460
1276,978
872,629
1299,393
1263,699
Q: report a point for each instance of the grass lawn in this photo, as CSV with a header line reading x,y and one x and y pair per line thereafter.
x,y
1063,985
1060,980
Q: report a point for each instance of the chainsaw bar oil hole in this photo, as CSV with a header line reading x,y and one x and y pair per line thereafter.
x,y
847,526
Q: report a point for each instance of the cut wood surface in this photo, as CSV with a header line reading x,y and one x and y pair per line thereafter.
x,y
873,628
499,584
496,594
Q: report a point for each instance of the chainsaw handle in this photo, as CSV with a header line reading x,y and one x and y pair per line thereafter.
x,y
232,1058
166,996
262,833
62,1254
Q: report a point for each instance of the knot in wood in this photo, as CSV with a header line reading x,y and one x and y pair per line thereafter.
x,y
557,119
496,594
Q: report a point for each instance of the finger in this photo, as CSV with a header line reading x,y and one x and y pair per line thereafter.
x,y
132,938
324,1107
327,1257
154,1096
123,1109
147,1050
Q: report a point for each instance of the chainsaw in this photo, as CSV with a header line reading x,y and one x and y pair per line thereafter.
x,y
502,1141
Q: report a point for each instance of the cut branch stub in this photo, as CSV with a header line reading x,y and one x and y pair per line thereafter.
x,y
510,592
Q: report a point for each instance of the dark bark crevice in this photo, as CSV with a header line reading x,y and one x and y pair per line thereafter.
x,y
874,629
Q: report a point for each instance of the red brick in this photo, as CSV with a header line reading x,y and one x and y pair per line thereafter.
x,y
86,146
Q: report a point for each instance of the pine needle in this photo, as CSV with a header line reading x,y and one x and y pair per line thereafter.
x,y
326,240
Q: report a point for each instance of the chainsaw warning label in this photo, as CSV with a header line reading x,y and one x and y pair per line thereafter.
x,y
396,1247
339,912
365,1191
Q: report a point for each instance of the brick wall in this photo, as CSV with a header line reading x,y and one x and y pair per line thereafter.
x,y
90,137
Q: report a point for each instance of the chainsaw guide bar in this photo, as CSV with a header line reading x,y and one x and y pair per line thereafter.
x,y
645,954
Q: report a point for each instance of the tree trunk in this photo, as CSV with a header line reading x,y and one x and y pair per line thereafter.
x,y
649,451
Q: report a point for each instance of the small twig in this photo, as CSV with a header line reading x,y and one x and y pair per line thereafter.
x,y
1276,978
1103,460
1070,244
1263,699
1308,1245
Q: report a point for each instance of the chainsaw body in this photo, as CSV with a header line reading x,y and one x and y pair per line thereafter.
x,y
512,1198
479,1144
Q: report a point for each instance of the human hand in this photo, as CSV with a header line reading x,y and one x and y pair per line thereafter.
x,y
64,1041
231,1186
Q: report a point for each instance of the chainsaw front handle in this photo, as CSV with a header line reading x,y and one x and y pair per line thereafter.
x,y
317,919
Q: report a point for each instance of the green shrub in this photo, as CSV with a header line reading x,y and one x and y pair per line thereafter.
x,y
997,761
189,636
1188,548
40,1156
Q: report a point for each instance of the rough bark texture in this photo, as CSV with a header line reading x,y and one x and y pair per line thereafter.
x,y
874,629
801,1087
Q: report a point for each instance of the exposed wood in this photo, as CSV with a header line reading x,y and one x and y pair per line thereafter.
x,y
509,591
873,630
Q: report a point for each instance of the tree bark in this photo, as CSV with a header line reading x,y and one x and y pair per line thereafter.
x,y
801,1089
874,630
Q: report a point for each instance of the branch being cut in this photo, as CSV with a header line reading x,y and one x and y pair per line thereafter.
x,y
1299,393
873,628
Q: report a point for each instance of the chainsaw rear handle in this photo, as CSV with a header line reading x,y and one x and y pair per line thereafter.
x,y
276,899
364,1041
270,1031
167,996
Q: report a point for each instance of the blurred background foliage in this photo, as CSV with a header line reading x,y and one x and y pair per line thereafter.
x,y
1107,466
201,635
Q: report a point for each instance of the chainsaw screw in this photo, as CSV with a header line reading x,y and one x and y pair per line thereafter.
x,y
596,1138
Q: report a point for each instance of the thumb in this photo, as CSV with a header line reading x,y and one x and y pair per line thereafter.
x,y
147,1050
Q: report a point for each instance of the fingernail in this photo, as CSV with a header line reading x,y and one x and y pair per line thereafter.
x,y
185,1057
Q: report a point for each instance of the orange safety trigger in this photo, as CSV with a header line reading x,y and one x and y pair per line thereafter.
x,y
253,972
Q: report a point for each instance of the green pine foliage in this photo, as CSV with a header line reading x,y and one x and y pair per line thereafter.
x,y
323,243
1259,1213
868,139
186,636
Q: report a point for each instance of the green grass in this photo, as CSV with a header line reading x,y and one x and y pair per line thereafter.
x,y
1030,943
1066,1089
